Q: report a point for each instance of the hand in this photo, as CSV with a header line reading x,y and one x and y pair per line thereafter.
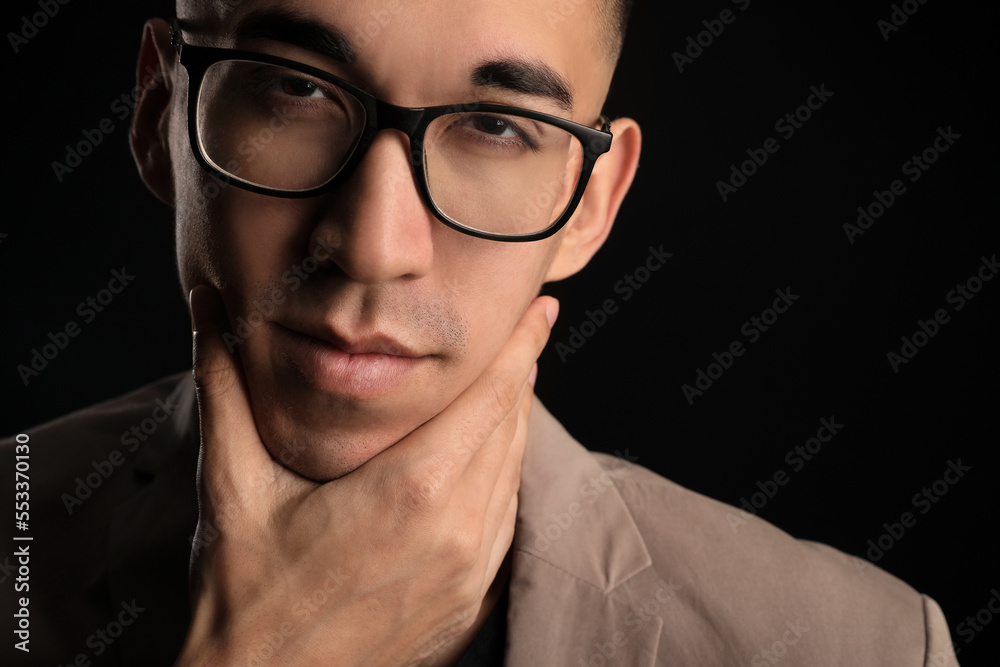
x,y
387,565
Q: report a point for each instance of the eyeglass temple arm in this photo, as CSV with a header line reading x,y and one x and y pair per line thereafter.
x,y
176,38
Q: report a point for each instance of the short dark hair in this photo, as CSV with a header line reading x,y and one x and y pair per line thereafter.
x,y
616,13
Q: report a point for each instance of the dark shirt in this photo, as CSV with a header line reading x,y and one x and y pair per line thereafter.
x,y
490,644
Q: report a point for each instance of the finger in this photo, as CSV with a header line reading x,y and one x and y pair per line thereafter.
x,y
493,474
474,416
231,446
501,545
507,483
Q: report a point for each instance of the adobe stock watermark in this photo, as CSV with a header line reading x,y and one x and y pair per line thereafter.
x,y
32,23
638,616
223,515
87,309
250,148
436,477
102,639
442,640
626,287
265,306
974,624
922,501
130,439
696,44
915,167
898,17
208,531
430,486
7,569
779,648
752,329
927,329
379,21
562,522
121,108
787,126
302,610
22,616
797,457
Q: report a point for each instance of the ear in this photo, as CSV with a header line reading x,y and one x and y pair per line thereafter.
x,y
590,225
149,136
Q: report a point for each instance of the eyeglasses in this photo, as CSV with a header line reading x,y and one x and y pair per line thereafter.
x,y
281,128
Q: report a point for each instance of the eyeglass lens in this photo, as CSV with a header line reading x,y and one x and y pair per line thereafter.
x,y
282,129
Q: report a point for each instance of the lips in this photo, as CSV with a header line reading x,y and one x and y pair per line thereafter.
x,y
364,367
374,343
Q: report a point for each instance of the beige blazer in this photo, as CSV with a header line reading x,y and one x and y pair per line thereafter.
x,y
612,564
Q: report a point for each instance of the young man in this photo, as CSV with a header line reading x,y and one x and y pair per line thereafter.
x,y
358,472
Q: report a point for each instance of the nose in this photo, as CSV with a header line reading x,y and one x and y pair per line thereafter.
x,y
376,222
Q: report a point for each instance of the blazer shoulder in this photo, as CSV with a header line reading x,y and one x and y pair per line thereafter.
x,y
107,424
80,455
762,584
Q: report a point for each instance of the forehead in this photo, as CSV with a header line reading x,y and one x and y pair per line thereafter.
x,y
414,50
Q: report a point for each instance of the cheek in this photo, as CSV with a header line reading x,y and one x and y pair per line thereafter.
x,y
226,236
234,239
255,237
501,283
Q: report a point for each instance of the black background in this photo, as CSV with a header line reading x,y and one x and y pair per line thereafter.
x,y
827,356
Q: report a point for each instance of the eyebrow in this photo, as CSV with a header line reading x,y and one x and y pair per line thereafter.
x,y
511,74
522,76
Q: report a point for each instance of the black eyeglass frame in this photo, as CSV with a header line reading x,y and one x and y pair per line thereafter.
x,y
380,115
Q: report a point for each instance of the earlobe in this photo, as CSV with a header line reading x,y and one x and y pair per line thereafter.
x,y
592,222
149,136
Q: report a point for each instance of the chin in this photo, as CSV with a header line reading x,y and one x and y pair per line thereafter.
x,y
320,448
322,433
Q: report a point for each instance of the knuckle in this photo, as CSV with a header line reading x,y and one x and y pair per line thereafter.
x,y
462,546
499,391
419,489
213,374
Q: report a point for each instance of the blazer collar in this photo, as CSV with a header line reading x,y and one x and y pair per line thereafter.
x,y
581,569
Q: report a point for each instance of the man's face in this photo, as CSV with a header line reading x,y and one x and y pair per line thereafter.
x,y
360,314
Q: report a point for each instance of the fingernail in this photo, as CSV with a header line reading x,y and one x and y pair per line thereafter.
x,y
533,375
551,311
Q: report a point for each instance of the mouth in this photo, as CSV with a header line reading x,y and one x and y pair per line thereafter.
x,y
360,367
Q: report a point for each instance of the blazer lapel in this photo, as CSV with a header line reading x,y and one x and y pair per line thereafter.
x,y
581,579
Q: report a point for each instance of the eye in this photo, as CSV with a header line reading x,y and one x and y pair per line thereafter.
x,y
494,126
283,81
300,87
497,131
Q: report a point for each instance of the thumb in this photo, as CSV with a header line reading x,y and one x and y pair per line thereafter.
x,y
231,448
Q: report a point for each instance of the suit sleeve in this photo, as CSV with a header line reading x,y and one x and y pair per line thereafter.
x,y
939,652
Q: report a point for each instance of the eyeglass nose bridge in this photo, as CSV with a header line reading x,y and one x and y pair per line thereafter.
x,y
389,116
386,116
